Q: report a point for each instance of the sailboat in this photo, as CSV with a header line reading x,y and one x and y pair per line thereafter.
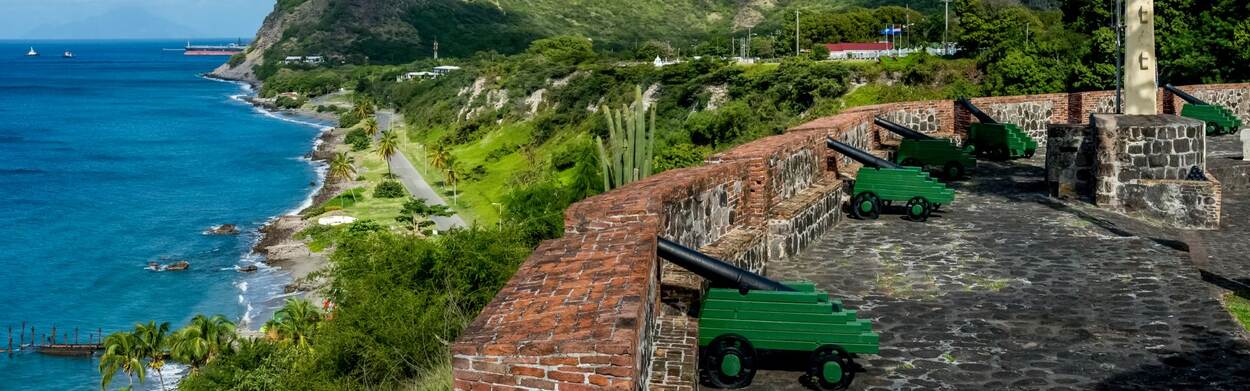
x,y
68,54
32,52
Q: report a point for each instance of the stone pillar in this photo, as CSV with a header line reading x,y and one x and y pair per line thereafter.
x,y
1141,83
1245,144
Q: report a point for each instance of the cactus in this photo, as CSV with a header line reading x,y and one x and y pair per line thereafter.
x,y
631,140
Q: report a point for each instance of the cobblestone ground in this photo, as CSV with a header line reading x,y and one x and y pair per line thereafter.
x,y
1006,289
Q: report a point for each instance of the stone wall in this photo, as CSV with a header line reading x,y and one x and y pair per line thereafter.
x,y
1175,203
1031,113
1070,166
1142,164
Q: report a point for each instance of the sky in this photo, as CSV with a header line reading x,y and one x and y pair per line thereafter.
x,y
111,19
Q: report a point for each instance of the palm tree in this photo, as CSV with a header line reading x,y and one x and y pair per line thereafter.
x,y
371,126
453,176
341,168
122,352
439,156
363,106
203,340
387,147
295,322
153,339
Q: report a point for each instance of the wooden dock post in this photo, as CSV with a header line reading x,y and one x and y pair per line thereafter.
x,y
54,334
75,335
21,338
10,341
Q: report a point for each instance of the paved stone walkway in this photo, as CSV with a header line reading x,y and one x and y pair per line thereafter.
x,y
1006,289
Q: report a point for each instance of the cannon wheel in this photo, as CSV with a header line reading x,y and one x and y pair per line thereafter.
x,y
953,170
866,206
729,361
919,209
831,368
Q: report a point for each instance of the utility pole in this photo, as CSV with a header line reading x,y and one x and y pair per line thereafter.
x,y
1119,56
946,33
796,33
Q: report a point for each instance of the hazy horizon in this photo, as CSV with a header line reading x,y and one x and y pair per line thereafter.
x,y
131,19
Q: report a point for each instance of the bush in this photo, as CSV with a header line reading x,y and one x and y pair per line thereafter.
x,y
286,102
389,189
349,119
358,139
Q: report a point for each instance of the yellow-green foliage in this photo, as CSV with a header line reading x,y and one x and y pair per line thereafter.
x,y
1239,306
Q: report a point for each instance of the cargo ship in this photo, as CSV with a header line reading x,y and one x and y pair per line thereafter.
x,y
214,50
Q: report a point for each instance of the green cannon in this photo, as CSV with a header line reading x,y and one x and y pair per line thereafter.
x,y
881,183
934,154
744,315
995,140
1220,120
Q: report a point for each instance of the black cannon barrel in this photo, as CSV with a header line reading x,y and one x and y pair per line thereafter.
x,y
718,272
900,130
976,111
860,156
1193,100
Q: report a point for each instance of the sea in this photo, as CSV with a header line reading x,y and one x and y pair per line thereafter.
x,y
121,156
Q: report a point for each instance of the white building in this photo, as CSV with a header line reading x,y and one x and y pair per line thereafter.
x,y
863,50
310,60
445,69
416,75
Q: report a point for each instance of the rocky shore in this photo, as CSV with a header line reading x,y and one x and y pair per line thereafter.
x,y
278,243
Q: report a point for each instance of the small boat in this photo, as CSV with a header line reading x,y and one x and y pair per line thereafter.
x,y
32,52
68,54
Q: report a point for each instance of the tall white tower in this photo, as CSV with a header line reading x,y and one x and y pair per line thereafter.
x,y
1141,84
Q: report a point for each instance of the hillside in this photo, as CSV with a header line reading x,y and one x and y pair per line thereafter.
x,y
400,31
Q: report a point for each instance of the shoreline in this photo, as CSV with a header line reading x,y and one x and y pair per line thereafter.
x,y
275,245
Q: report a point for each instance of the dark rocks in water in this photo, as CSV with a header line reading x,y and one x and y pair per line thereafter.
x,y
248,269
224,229
176,266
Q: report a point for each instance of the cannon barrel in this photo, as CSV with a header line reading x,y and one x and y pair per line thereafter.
x,y
976,111
860,156
1193,100
900,129
718,272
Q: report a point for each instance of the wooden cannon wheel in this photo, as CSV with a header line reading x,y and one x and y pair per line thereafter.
x,y
831,368
729,361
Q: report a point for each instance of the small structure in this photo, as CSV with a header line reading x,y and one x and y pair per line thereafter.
x,y
416,75
660,62
859,50
336,220
445,69
307,60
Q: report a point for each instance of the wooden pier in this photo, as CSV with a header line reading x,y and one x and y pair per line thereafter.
x,y
49,345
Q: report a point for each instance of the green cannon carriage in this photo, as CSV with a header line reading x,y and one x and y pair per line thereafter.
x,y
936,155
744,315
994,140
881,183
1220,120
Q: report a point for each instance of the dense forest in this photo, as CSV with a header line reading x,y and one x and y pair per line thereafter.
x,y
518,124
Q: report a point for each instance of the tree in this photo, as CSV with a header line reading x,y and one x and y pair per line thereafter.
x,y
296,322
122,352
341,168
564,49
417,214
153,341
453,172
439,157
371,126
203,340
363,106
388,146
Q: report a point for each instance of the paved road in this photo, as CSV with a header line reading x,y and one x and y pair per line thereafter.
x,y
413,181
1007,290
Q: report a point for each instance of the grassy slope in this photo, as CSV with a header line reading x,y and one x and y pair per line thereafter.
x,y
1239,307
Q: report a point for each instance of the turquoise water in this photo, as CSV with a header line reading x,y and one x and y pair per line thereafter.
x,y
122,156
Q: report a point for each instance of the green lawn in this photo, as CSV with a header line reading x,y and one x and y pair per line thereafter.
x,y
370,171
499,153
1240,308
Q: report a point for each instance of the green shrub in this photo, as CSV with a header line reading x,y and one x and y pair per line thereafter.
x,y
236,59
358,139
349,119
389,189
286,102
